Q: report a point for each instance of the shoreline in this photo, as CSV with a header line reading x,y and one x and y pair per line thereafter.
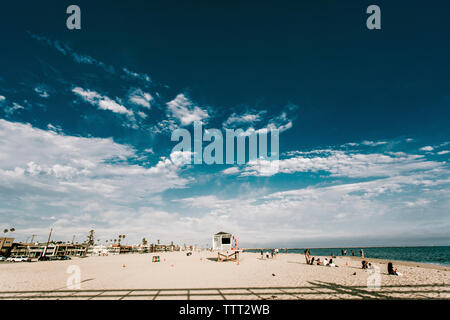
x,y
432,265
428,265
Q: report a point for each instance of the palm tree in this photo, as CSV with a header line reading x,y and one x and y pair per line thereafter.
x,y
5,231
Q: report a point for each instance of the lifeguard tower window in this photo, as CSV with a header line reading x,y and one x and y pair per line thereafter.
x,y
226,240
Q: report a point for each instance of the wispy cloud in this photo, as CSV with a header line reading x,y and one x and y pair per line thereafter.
x,y
41,92
102,102
141,76
68,51
9,107
250,118
185,111
140,98
427,148
340,163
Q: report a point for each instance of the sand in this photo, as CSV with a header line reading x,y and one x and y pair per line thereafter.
x,y
285,277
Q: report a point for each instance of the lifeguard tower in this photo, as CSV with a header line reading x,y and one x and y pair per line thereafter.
x,y
224,241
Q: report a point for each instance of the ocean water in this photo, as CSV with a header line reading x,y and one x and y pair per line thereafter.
x,y
434,255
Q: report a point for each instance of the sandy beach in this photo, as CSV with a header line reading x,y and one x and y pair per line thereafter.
x,y
177,276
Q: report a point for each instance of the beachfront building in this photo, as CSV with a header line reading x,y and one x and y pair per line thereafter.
x,y
5,246
36,250
223,241
113,249
97,250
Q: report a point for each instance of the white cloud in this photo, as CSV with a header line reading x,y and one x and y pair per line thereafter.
x,y
185,111
142,114
67,51
443,152
141,76
140,98
373,143
232,170
340,163
54,174
102,102
8,108
242,119
427,148
41,92
376,206
74,184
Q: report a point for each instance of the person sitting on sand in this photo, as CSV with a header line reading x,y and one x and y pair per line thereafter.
x,y
365,264
393,271
319,263
331,263
311,261
325,262
267,254
307,257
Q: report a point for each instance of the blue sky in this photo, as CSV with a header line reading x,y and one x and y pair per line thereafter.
x,y
86,118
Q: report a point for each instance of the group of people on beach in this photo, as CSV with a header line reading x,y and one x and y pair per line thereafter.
x,y
344,252
329,263
271,254
311,261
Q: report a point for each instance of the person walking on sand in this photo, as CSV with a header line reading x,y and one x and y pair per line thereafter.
x,y
353,253
262,254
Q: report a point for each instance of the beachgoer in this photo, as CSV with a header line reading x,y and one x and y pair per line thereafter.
x,y
331,263
353,252
262,254
393,271
325,262
312,261
307,257
365,264
319,263
271,253
361,253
